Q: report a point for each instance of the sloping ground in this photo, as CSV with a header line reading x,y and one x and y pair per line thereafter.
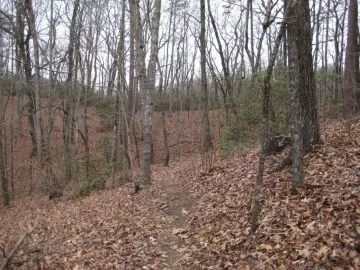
x,y
183,129
189,219
113,229
318,229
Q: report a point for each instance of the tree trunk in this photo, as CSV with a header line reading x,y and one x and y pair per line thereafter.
x,y
37,112
163,117
4,183
207,142
317,35
265,139
304,123
68,95
23,45
351,72
132,87
120,57
228,85
149,91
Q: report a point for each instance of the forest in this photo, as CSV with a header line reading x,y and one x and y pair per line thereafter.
x,y
165,134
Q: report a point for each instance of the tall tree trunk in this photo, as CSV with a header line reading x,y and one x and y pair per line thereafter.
x,y
37,112
90,57
297,143
351,72
4,183
163,117
338,47
68,95
132,87
285,49
50,124
317,35
207,142
120,81
23,44
172,56
149,91
305,129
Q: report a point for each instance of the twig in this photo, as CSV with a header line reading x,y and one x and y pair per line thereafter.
x,y
19,242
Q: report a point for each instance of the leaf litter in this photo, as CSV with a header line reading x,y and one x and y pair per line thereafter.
x,y
189,219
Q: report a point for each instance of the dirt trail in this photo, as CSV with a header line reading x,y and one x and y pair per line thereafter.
x,y
111,229
177,203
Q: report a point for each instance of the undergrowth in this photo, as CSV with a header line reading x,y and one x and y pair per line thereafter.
x,y
97,178
105,110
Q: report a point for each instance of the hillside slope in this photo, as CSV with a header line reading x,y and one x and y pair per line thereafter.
x,y
191,219
317,229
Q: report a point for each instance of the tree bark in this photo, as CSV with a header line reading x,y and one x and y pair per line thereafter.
x,y
149,91
4,182
68,95
120,82
163,117
38,135
23,45
304,123
207,142
351,72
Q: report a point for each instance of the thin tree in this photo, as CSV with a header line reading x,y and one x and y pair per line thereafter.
x,y
120,83
265,119
68,93
207,142
228,92
23,46
4,182
338,47
163,116
37,113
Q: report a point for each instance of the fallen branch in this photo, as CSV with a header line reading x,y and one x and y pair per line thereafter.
x,y
19,242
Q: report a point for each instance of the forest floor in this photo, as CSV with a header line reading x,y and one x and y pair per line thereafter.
x,y
192,218
111,229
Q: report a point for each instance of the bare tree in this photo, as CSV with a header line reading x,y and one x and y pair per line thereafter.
x,y
228,91
338,46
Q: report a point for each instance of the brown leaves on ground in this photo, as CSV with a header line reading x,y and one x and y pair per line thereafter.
x,y
112,229
317,229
